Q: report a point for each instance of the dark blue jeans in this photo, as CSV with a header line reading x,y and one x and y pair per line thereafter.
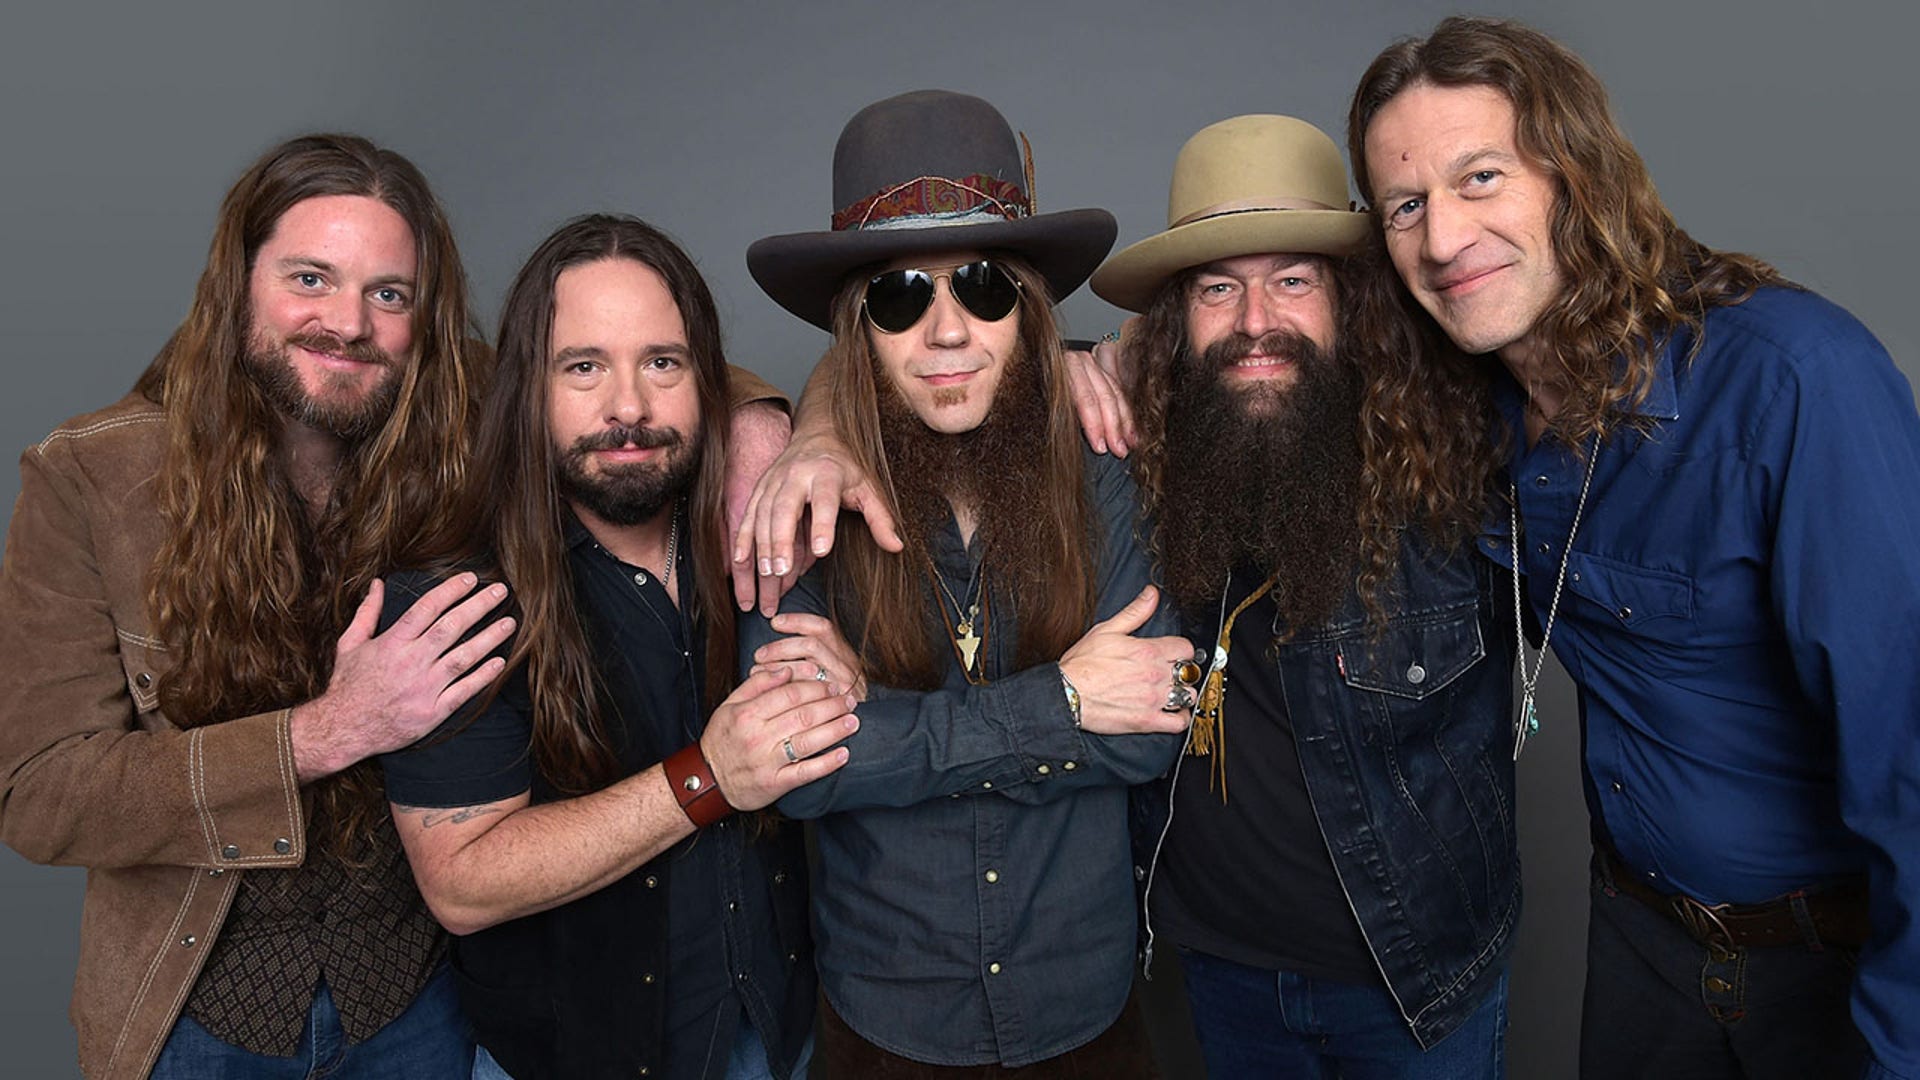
x,y
430,1041
1256,1022
1660,1004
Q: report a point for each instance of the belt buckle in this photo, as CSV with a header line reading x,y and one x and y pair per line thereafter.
x,y
1704,924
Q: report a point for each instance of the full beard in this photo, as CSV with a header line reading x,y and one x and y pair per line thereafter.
x,y
628,494
338,408
1263,477
996,470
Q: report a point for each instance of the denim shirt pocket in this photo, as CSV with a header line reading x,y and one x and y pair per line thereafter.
x,y
1415,658
1652,603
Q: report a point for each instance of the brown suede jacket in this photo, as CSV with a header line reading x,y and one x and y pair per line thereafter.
x,y
93,774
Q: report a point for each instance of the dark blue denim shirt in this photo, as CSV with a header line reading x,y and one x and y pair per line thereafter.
x,y
1741,614
973,901
1405,738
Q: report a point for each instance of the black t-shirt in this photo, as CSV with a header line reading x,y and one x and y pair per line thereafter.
x,y
1250,879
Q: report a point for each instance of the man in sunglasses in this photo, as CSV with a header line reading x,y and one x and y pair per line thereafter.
x,y
973,903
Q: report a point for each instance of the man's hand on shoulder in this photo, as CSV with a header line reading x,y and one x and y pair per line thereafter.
x,y
810,483
389,689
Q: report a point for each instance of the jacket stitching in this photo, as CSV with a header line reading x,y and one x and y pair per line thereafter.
x,y
97,427
196,782
141,640
289,783
153,968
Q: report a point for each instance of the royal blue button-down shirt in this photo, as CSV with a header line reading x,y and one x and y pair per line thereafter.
x,y
1741,613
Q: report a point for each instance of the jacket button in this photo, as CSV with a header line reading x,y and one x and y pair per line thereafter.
x,y
231,851
215,872
652,882
282,846
993,968
647,978
779,877
993,877
187,942
143,680
1139,873
1416,674
1069,766
1042,770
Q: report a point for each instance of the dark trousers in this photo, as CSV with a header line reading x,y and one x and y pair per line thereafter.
x,y
1660,1004
1122,1052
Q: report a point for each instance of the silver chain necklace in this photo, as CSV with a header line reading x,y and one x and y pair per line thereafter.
x,y
1528,721
673,545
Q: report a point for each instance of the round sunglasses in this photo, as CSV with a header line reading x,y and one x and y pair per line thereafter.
x,y
897,299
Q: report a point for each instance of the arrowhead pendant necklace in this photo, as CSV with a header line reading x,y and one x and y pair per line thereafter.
x,y
968,625
1528,721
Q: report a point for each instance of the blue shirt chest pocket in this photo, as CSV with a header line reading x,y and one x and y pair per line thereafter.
x,y
1657,604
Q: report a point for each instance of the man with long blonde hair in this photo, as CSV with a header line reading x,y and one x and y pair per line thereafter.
x,y
1710,480
193,683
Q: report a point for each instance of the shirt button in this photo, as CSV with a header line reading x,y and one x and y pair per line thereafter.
x,y
1618,787
732,906
793,958
1624,613
779,877
652,882
742,976
993,968
282,846
1069,766
231,851
640,578
1541,480
647,978
1544,548
992,876
1139,873
1043,770
986,785
1416,674
1653,875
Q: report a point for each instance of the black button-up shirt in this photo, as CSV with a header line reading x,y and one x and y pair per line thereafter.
x,y
974,900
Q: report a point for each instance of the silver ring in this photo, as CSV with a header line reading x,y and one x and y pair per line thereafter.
x,y
819,673
1179,699
786,747
1186,673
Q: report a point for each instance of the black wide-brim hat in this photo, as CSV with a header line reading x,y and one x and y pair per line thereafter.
x,y
927,171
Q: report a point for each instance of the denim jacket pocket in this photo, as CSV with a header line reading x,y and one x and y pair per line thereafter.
x,y
1415,658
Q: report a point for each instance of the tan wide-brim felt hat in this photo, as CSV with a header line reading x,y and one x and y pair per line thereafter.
x,y
1250,185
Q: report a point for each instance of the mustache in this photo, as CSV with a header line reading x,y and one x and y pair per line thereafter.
x,y
1290,345
365,352
638,436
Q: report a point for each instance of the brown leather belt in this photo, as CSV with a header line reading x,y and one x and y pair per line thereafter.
x,y
1830,915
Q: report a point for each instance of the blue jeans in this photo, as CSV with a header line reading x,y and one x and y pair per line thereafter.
x,y
430,1041
748,1060
1257,1022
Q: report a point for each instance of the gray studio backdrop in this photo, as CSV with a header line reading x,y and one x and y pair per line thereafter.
x,y
1779,128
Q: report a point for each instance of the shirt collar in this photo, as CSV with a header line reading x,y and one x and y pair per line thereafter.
x,y
1661,403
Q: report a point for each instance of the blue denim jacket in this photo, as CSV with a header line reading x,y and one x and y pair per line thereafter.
x,y
1406,743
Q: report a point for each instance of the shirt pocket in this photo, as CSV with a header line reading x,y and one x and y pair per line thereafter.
x,y
1415,658
1656,604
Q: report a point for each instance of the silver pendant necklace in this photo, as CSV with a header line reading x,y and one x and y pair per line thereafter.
x,y
1528,722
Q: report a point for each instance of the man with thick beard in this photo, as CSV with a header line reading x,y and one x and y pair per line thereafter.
x,y
1342,832
1711,474
181,710
973,902
614,919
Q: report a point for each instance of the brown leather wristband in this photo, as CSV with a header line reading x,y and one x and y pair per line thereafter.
x,y
693,785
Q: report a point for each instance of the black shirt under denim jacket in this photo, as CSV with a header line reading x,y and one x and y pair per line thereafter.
x,y
594,987
974,899
1406,743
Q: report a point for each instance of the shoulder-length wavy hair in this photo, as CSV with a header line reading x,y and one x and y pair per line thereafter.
x,y
520,511
1633,276
248,589
883,596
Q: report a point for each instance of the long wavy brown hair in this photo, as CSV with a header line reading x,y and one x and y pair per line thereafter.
x,y
881,595
516,513
248,589
1633,277
1378,338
